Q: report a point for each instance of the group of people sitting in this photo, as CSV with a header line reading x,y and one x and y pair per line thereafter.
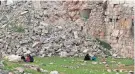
x,y
88,57
28,58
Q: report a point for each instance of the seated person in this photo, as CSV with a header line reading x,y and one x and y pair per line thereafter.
x,y
23,58
29,58
87,57
93,58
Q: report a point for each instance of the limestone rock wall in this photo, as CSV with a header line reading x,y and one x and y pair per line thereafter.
x,y
48,28
120,28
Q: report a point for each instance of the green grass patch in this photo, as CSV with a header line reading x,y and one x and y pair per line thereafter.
x,y
69,65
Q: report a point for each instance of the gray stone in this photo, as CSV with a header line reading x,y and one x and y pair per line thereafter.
x,y
9,2
86,51
20,69
24,42
24,49
35,44
28,52
19,51
33,54
54,72
24,12
41,52
75,34
63,54
130,72
45,31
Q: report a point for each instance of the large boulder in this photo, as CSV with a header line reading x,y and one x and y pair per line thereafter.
x,y
13,58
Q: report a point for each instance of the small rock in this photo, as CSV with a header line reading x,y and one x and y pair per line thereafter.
x,y
54,72
121,70
94,62
116,70
44,24
20,69
131,72
10,73
108,70
19,51
28,52
75,34
9,2
3,26
59,27
115,33
63,54
104,62
86,50
45,71
36,44
24,12
51,63
106,65
114,55
45,31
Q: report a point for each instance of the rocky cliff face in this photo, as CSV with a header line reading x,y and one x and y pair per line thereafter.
x,y
48,28
119,21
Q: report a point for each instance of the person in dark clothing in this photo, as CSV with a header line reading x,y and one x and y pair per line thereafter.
x,y
93,58
29,58
23,58
87,57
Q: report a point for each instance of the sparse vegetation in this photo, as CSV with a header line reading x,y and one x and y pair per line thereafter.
x,y
85,13
104,44
72,65
18,28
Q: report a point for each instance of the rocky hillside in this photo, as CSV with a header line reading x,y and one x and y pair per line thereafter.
x,y
68,28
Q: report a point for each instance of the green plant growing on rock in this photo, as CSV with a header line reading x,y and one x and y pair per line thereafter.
x,y
85,13
17,27
104,44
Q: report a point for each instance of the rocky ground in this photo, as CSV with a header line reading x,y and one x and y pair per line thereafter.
x,y
67,28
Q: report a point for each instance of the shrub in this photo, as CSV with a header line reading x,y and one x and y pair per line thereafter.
x,y
18,28
104,44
